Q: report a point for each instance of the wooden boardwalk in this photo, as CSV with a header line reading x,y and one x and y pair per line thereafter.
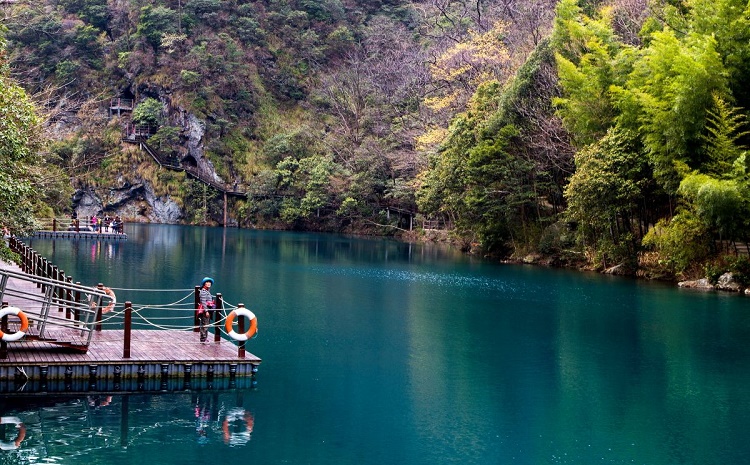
x,y
92,235
154,354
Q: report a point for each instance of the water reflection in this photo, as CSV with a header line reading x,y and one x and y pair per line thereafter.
x,y
56,429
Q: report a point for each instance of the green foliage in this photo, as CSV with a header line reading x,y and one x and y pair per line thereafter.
x,y
725,129
66,70
668,95
556,238
149,111
606,189
28,184
166,139
589,64
154,22
309,179
740,269
474,179
296,145
713,272
682,241
720,204
189,78
94,12
728,21
250,32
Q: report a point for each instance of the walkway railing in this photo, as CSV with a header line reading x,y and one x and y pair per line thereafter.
x,y
78,225
174,164
42,287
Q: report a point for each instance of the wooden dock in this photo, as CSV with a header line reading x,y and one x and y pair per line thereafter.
x,y
150,357
90,235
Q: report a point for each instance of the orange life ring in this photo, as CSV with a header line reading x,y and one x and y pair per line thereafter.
x,y
233,416
250,332
112,302
11,445
24,324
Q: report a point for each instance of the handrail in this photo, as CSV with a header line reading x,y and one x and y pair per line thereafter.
x,y
67,223
48,287
194,172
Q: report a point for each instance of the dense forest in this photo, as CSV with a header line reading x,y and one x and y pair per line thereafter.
x,y
583,133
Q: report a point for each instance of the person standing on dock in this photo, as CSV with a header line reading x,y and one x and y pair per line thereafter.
x,y
207,304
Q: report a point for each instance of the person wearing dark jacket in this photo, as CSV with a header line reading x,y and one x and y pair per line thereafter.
x,y
205,308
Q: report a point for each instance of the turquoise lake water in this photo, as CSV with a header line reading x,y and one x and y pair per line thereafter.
x,y
379,352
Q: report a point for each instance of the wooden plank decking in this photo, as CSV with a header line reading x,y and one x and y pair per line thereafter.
x,y
164,354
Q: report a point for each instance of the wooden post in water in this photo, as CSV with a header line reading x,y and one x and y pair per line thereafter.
x,y
77,313
54,224
217,317
128,326
241,325
98,327
197,303
68,297
4,326
58,291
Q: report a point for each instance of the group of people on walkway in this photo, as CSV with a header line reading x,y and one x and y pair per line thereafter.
x,y
104,224
107,224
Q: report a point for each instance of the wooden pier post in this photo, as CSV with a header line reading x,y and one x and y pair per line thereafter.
x,y
98,327
4,326
54,224
128,326
77,313
241,325
58,291
68,297
26,259
217,317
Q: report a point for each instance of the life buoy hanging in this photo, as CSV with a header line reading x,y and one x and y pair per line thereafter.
x,y
250,332
11,445
237,415
24,324
112,302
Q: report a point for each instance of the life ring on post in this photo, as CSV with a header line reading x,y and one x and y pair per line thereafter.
x,y
112,302
24,324
12,445
250,332
237,415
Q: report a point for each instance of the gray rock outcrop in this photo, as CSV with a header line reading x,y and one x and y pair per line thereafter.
x,y
133,202
700,284
726,282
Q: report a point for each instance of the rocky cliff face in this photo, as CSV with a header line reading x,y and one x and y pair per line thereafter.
x,y
133,202
137,201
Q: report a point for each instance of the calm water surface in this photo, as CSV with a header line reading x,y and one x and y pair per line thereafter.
x,y
376,352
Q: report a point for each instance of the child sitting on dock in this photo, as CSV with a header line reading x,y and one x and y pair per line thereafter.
x,y
206,305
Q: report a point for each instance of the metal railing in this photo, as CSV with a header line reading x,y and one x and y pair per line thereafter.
x,y
41,287
83,224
